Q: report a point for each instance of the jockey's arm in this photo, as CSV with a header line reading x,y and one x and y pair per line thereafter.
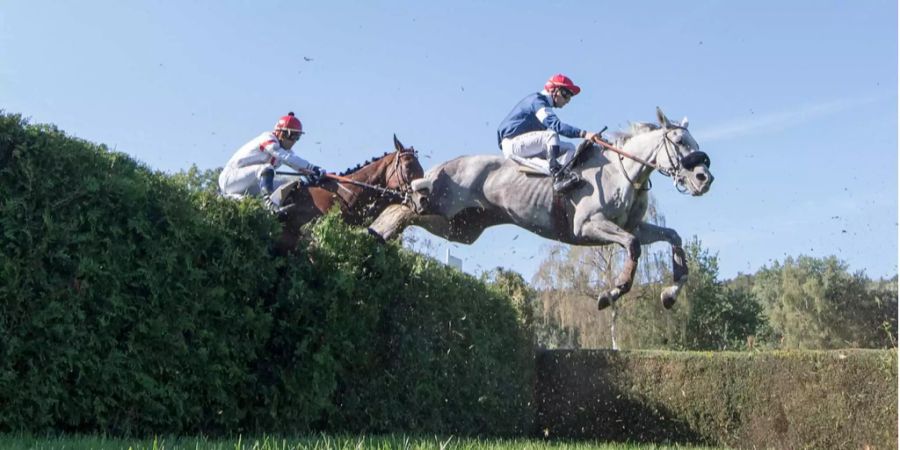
x,y
287,157
297,163
549,120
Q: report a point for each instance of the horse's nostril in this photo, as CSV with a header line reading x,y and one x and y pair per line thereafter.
x,y
701,177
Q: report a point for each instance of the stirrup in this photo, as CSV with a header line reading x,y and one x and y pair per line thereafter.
x,y
276,210
564,183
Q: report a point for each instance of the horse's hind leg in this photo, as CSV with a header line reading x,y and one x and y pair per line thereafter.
x,y
648,233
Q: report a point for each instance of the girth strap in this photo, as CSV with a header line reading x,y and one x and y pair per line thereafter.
x,y
560,217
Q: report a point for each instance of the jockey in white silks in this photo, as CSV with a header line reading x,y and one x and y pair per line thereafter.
x,y
530,132
251,170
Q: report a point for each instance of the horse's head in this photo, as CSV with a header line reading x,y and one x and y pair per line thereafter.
x,y
403,168
681,157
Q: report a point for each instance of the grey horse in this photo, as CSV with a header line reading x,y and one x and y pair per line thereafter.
x,y
459,199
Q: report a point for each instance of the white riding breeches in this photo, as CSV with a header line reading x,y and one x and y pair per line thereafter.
x,y
532,149
237,182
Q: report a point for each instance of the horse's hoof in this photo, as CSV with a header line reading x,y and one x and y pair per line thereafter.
x,y
668,301
603,302
377,236
421,205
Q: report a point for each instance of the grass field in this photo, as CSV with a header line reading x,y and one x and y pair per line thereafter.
x,y
321,442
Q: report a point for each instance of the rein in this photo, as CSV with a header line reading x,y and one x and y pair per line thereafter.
x,y
341,179
384,191
671,172
630,156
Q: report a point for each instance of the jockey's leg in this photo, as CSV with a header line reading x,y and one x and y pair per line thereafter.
x,y
535,163
240,181
553,159
267,180
530,149
544,151
558,156
267,187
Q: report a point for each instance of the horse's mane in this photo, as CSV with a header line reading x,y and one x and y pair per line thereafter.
x,y
634,129
364,164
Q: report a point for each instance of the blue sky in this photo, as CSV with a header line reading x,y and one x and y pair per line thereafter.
x,y
795,102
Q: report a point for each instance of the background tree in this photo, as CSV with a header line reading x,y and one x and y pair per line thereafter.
x,y
521,294
817,303
718,317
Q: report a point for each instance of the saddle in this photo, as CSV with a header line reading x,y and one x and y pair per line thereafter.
x,y
558,207
569,165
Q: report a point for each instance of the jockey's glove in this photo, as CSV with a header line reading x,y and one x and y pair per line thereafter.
x,y
315,174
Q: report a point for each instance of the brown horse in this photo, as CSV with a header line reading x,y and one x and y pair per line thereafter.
x,y
362,192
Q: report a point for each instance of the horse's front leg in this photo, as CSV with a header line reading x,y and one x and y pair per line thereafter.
x,y
648,233
391,222
602,231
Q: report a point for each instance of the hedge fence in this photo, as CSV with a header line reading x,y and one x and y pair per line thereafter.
x,y
803,399
132,304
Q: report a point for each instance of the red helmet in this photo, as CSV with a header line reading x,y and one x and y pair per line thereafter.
x,y
289,123
561,81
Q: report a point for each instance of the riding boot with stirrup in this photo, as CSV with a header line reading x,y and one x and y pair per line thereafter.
x,y
267,187
563,180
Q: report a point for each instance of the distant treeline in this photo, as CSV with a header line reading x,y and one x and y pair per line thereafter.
x,y
134,302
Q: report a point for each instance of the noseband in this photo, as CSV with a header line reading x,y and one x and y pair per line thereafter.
x,y
675,163
688,162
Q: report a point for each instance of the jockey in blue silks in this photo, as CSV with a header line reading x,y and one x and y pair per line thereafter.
x,y
530,132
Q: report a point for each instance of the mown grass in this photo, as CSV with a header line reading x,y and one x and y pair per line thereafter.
x,y
319,442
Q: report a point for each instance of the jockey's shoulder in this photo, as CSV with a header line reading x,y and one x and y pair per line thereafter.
x,y
535,100
543,98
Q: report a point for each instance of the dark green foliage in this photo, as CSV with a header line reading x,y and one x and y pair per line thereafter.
x,y
137,302
444,366
196,180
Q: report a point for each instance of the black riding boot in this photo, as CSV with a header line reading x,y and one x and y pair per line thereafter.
x,y
563,180
266,188
267,181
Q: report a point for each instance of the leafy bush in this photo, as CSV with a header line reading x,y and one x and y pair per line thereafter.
x,y
137,302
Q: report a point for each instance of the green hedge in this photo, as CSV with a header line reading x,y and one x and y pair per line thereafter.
x,y
802,399
132,304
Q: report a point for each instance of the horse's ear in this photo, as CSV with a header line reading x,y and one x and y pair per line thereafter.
x,y
663,120
397,144
684,122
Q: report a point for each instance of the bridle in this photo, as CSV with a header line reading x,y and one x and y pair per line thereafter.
x,y
676,163
403,183
404,193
